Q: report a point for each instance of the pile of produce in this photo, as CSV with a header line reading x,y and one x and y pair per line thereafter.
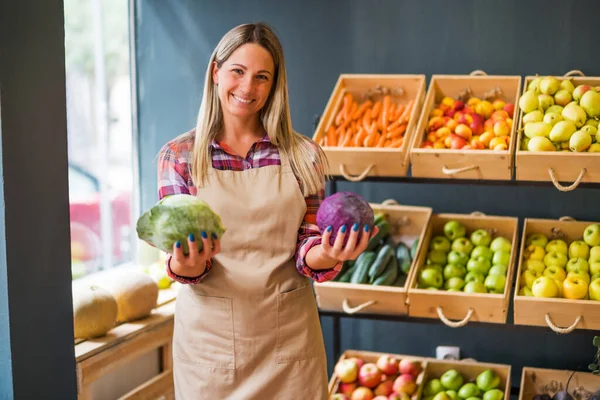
x,y
369,122
470,123
452,385
556,390
457,261
555,268
557,116
388,378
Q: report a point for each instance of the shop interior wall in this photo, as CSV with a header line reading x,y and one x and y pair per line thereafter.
x,y
323,39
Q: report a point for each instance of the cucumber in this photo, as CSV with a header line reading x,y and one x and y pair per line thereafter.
x,y
400,280
345,266
389,275
381,262
413,250
378,217
403,257
384,230
345,277
361,267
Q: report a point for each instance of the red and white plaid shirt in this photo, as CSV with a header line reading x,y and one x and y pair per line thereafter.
x,y
174,177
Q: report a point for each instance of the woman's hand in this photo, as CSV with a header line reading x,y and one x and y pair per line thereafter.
x,y
194,264
353,246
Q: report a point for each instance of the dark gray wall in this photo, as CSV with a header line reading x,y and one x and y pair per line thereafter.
x,y
325,38
37,359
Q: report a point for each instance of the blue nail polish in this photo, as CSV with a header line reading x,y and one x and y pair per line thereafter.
x,y
366,228
329,228
192,238
204,235
355,227
343,228
177,244
214,235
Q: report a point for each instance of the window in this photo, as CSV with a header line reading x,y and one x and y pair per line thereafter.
x,y
100,138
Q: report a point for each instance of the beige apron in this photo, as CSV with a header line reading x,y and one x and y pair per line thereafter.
x,y
250,329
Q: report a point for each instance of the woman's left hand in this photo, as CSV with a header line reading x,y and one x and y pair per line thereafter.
x,y
353,246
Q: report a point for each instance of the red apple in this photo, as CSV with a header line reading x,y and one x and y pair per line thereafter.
x,y
347,388
359,361
476,127
346,370
450,113
388,364
405,383
411,367
369,375
457,142
463,131
458,105
362,393
339,396
510,109
399,396
385,388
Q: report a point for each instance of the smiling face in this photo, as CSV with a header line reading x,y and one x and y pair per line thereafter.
x,y
244,81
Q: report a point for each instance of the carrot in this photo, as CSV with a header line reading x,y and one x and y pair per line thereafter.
x,y
339,117
397,132
405,115
392,112
381,141
371,139
397,142
331,136
376,109
385,109
398,112
363,107
347,105
360,137
353,108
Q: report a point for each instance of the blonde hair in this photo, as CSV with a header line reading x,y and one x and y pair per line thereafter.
x,y
308,161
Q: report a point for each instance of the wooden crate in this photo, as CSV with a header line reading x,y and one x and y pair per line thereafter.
x,y
539,380
371,357
356,163
469,369
464,307
557,166
561,315
408,224
464,164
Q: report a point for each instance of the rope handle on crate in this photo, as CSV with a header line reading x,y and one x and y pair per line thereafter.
x,y
453,324
567,218
478,72
353,310
355,178
571,186
558,329
478,214
452,171
574,72
389,202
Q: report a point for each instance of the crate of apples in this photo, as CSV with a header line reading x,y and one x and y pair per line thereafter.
x,y
478,124
376,377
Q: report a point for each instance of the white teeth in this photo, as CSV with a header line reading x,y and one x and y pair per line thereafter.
x,y
241,100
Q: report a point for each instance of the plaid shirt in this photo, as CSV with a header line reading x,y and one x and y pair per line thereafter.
x,y
174,177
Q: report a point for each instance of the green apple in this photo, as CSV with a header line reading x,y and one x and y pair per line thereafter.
x,y
595,253
554,259
462,245
558,246
481,237
487,380
453,394
454,230
533,252
436,257
495,283
433,387
582,274
528,277
539,239
474,287
454,284
440,243
595,267
456,257
481,265
431,277
591,235
535,265
498,270
594,289
474,277
501,258
555,273
454,271
500,244
482,251
579,249
594,277
452,379
441,396
574,288
544,286
494,394
578,264
468,390
525,291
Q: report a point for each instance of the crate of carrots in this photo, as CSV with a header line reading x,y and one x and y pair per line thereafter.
x,y
368,124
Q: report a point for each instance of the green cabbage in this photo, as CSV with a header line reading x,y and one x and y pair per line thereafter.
x,y
173,218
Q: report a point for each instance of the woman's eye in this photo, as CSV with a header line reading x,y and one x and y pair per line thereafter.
x,y
238,71
263,77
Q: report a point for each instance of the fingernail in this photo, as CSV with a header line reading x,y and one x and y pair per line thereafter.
x,y
177,244
355,227
192,238
204,235
214,235
343,228
329,228
366,228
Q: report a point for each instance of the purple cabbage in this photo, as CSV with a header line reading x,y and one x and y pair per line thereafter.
x,y
344,208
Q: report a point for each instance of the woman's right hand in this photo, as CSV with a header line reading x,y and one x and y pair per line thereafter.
x,y
194,264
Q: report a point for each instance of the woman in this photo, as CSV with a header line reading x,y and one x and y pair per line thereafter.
x,y
246,322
